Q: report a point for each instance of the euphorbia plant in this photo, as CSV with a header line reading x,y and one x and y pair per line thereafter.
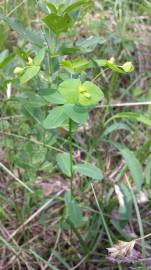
x,y
77,99
72,98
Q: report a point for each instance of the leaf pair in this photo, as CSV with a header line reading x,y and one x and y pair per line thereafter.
x,y
86,169
77,98
59,20
60,114
58,23
75,65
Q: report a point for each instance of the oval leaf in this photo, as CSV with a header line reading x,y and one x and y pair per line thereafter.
x,y
29,73
69,90
52,95
39,57
77,113
89,170
63,161
55,118
74,212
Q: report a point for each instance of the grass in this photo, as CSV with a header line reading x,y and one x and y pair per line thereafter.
x,y
36,231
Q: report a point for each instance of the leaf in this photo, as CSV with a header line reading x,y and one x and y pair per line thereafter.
x,y
58,24
52,95
28,35
99,62
132,163
69,89
94,92
125,68
73,210
116,126
7,60
29,73
39,57
64,50
76,65
77,113
32,100
46,167
88,170
75,5
125,211
63,161
55,118
52,7
89,44
3,55
133,117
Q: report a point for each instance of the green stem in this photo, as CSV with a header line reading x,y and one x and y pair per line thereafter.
x,y
71,156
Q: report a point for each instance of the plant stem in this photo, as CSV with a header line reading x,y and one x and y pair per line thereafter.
x,y
143,237
71,157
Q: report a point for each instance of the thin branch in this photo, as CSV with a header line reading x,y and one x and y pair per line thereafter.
x,y
127,104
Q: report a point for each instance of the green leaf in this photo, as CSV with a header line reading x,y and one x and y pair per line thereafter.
x,y
88,170
69,89
94,94
29,73
63,161
115,126
7,60
27,34
133,117
132,163
53,96
3,55
58,24
76,65
39,57
125,68
89,44
46,167
75,5
125,211
73,210
55,118
52,7
99,62
77,113
32,100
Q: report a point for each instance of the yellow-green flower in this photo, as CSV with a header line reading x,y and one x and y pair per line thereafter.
x,y
74,92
